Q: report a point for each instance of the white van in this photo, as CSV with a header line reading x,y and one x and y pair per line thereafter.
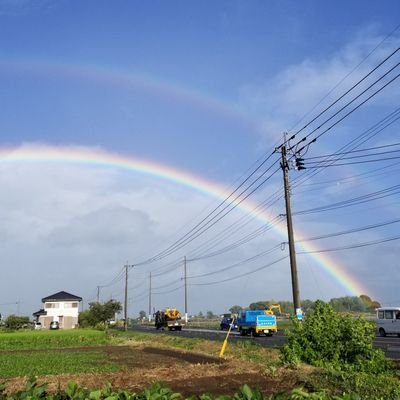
x,y
388,320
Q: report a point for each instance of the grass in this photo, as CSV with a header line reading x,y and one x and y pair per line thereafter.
x,y
50,363
47,339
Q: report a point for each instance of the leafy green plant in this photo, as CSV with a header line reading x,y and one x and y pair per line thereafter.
x,y
327,338
157,391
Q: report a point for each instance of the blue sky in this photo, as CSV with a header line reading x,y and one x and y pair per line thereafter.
x,y
204,87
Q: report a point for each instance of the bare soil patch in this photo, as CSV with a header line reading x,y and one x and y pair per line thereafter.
x,y
184,372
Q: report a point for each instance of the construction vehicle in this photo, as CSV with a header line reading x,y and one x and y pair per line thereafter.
x,y
255,322
169,318
271,307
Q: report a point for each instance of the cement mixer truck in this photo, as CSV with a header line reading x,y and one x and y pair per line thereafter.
x,y
169,318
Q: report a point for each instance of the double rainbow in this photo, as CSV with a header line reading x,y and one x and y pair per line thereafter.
x,y
90,157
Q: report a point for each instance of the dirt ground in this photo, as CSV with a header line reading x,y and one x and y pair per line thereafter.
x,y
185,372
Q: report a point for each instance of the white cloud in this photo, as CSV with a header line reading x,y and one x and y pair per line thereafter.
x,y
284,100
72,227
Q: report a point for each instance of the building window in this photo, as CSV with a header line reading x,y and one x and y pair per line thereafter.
x,y
51,305
70,305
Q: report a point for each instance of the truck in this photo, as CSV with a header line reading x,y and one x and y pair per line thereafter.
x,y
169,318
255,322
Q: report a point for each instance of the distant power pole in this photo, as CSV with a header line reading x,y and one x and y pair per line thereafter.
x,y
185,278
292,251
126,297
150,298
98,294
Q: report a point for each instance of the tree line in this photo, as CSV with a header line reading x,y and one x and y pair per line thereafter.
x,y
362,303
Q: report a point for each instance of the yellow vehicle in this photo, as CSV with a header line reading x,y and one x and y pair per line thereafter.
x,y
271,307
169,318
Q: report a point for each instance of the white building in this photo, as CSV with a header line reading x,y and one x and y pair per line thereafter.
x,y
62,307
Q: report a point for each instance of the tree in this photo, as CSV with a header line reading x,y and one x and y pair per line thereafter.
x,y
16,322
210,315
259,305
100,313
348,303
142,315
236,309
370,304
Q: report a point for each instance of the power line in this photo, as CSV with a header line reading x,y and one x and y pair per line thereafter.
x,y
206,220
348,103
357,162
353,246
238,264
344,78
362,138
239,276
348,113
389,191
169,291
216,218
349,231
359,151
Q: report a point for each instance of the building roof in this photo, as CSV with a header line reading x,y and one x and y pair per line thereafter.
x,y
40,312
61,296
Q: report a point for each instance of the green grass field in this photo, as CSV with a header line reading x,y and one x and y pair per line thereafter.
x,y
47,339
52,363
17,359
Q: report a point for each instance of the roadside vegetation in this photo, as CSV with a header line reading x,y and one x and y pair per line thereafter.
x,y
342,346
329,356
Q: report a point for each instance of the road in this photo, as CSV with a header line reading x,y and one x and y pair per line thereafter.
x,y
390,344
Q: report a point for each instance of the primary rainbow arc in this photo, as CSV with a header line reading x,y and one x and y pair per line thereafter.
x,y
107,159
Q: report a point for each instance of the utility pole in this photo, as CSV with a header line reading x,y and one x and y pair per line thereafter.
x,y
98,294
150,299
126,297
185,277
292,251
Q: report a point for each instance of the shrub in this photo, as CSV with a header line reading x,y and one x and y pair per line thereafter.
x,y
327,338
16,322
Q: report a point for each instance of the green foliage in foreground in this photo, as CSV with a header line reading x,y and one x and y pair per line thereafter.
x,y
328,339
384,386
154,392
46,339
48,363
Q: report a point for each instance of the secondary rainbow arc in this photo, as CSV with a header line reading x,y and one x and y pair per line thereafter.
x,y
103,158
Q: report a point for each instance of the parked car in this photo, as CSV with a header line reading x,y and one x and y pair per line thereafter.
x,y
37,325
54,325
226,323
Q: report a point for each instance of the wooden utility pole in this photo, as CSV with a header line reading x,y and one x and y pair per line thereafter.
x,y
126,296
150,299
98,294
126,299
185,278
292,251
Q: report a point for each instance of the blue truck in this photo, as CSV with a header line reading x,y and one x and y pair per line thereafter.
x,y
255,322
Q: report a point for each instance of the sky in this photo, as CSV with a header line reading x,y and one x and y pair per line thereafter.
x,y
125,124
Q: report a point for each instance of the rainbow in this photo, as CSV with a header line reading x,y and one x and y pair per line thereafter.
x,y
98,157
133,80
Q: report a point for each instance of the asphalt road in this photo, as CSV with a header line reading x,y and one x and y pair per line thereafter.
x,y
390,344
